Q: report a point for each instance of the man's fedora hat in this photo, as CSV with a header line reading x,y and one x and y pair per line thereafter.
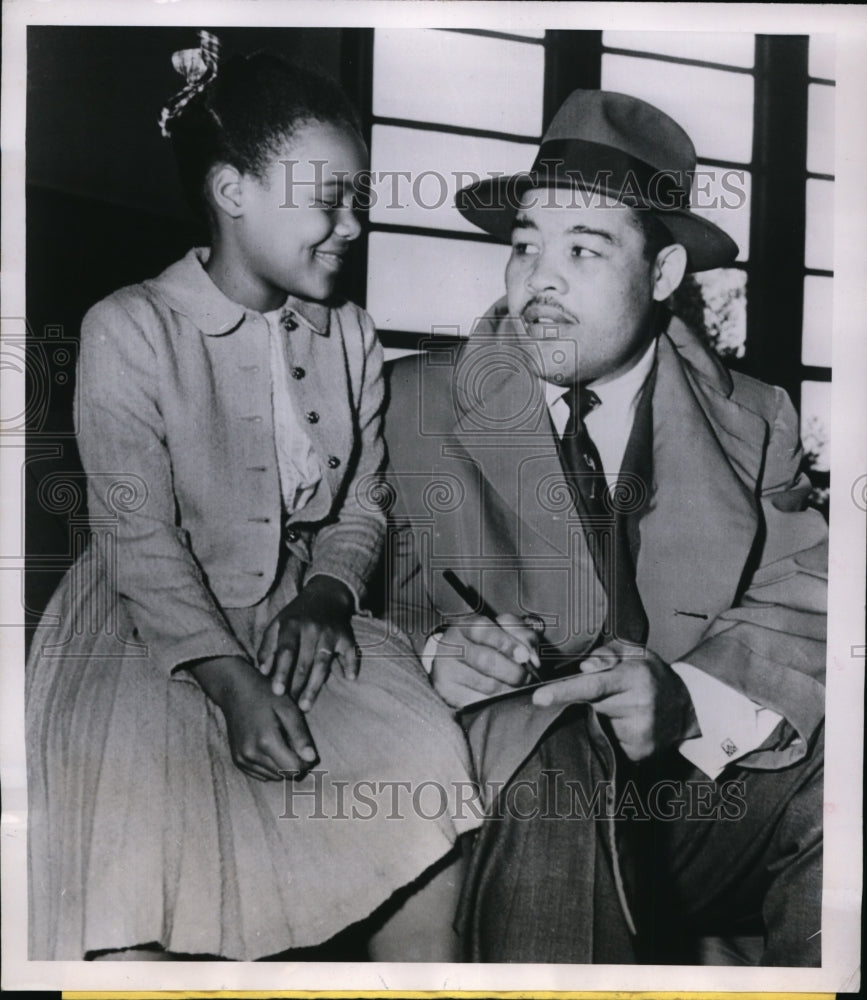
x,y
629,151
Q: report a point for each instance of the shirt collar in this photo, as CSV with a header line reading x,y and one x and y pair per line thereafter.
x,y
187,287
620,392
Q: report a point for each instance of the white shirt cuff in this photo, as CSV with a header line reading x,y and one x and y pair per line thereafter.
x,y
430,651
732,725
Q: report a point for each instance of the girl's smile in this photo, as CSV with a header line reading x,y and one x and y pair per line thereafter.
x,y
332,260
288,232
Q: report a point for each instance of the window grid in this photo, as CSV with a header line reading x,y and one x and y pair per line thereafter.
x,y
402,337
813,424
733,341
679,60
506,36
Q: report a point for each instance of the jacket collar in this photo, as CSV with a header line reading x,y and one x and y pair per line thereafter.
x,y
188,289
705,364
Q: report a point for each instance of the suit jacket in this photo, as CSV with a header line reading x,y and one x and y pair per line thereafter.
x,y
731,565
176,436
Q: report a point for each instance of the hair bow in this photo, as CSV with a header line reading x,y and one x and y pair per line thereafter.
x,y
199,68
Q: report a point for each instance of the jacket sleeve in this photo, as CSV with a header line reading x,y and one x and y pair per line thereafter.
x,y
771,645
123,450
349,547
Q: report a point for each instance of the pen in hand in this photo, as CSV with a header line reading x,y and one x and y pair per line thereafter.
x,y
475,602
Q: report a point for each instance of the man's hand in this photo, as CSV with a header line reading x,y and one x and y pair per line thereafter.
x,y
648,704
480,658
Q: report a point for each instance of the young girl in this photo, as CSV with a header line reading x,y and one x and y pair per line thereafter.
x,y
225,755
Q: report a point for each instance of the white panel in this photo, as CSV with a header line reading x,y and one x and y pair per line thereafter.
x,y
819,252
417,283
714,107
722,195
453,79
816,423
822,56
732,49
438,164
818,321
820,129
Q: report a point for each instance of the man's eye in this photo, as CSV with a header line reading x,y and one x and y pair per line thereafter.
x,y
524,249
579,251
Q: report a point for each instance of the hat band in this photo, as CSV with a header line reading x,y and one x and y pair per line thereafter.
x,y
594,166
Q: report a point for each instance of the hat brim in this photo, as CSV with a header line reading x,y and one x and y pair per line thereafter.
x,y
492,204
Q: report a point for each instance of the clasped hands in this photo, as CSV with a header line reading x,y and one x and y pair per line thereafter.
x,y
264,705
646,702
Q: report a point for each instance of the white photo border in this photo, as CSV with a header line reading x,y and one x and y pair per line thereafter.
x,y
846,648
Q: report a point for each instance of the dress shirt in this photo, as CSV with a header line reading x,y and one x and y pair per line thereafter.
x,y
610,423
731,724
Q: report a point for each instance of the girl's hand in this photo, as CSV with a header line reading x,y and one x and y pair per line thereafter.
x,y
268,735
303,640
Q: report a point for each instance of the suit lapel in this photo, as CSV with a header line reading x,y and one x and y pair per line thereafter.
x,y
526,510
509,438
636,470
701,519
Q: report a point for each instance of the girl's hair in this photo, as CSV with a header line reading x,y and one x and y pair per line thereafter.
x,y
246,115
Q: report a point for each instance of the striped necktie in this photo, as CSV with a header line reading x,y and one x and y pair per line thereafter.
x,y
604,529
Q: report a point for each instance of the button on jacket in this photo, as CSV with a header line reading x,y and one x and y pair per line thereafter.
x,y
174,396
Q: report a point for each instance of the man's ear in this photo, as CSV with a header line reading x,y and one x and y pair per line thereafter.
x,y
668,271
226,189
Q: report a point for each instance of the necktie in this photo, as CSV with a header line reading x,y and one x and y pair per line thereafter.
x,y
604,529
581,457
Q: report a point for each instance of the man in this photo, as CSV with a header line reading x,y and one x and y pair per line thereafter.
x,y
633,517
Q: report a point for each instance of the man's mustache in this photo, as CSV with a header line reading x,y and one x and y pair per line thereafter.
x,y
543,307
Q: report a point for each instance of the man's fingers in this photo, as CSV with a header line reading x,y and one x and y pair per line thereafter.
x,y
599,661
527,639
612,653
449,673
589,687
495,665
486,648
458,694
484,632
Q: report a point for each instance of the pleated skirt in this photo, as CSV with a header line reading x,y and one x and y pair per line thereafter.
x,y
142,831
